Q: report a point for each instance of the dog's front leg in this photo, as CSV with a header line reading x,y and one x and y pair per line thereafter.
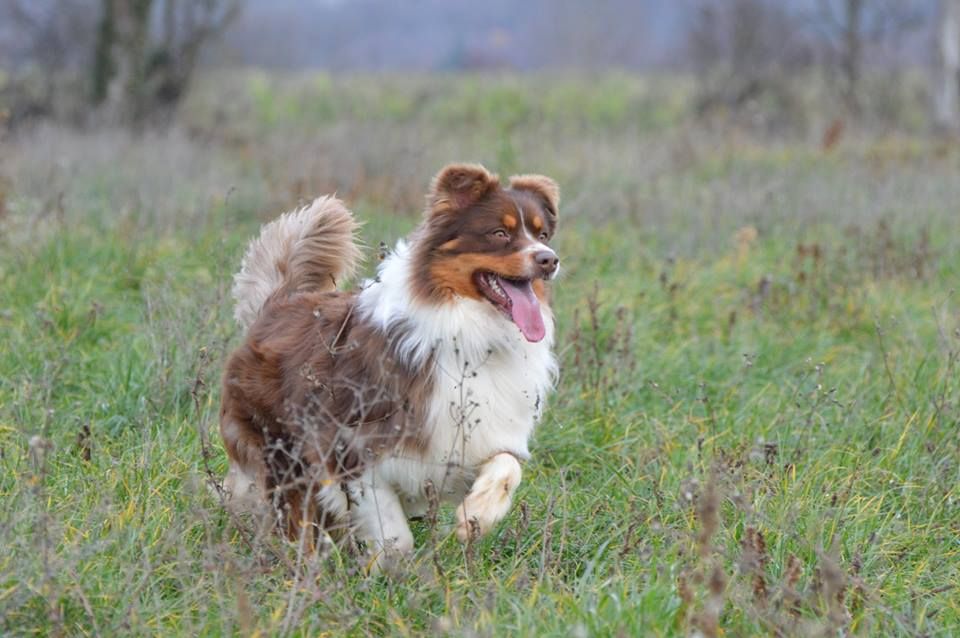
x,y
379,521
490,497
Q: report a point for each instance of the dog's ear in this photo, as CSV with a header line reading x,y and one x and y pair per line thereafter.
x,y
543,188
459,186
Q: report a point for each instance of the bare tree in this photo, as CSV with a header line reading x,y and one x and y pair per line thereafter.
x,y
842,27
43,34
141,69
948,88
130,60
745,50
41,49
851,59
847,28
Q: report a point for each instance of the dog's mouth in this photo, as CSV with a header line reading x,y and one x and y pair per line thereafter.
x,y
515,299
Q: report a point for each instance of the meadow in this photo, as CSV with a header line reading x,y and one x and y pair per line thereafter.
x,y
756,430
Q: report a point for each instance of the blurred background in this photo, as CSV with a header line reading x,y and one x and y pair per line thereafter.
x,y
64,58
761,243
280,100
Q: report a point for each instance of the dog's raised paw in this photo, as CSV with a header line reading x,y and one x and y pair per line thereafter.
x,y
489,499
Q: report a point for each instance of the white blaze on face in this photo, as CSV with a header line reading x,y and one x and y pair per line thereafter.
x,y
535,246
523,221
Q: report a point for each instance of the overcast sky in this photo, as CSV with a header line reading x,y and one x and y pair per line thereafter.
x,y
430,35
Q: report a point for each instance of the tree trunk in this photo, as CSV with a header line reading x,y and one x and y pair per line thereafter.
x,y
103,70
141,73
119,53
948,88
853,52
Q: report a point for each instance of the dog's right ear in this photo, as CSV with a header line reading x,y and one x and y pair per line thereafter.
x,y
460,186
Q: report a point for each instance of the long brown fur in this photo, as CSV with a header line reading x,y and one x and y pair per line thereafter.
x,y
309,249
314,395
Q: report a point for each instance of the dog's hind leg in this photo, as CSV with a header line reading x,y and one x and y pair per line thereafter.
x,y
244,445
240,487
489,500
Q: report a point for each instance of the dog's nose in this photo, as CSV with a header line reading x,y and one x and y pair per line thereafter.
x,y
547,261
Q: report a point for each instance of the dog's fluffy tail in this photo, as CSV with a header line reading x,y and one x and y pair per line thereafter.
x,y
309,249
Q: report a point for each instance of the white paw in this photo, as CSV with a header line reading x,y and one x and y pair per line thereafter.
x,y
490,497
240,490
387,556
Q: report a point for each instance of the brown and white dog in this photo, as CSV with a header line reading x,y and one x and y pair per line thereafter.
x,y
350,410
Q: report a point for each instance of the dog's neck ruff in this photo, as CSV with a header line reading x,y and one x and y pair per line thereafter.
x,y
472,329
489,384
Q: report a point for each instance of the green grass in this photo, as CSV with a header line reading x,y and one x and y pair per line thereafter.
x,y
710,390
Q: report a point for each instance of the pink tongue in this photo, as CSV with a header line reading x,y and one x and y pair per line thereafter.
x,y
525,309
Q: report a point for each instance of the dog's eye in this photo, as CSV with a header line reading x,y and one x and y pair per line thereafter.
x,y
500,234
543,236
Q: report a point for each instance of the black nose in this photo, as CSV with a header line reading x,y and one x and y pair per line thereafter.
x,y
547,260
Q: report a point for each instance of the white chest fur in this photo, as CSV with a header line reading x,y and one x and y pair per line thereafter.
x,y
478,408
489,383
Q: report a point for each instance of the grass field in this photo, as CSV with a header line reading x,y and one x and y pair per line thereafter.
x,y
756,431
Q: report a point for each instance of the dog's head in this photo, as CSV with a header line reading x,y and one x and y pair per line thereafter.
x,y
488,242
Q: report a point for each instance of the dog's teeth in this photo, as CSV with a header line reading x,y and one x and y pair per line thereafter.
x,y
492,282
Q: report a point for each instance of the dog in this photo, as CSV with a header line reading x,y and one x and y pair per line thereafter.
x,y
354,411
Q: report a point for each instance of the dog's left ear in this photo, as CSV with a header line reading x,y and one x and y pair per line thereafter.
x,y
460,186
543,188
